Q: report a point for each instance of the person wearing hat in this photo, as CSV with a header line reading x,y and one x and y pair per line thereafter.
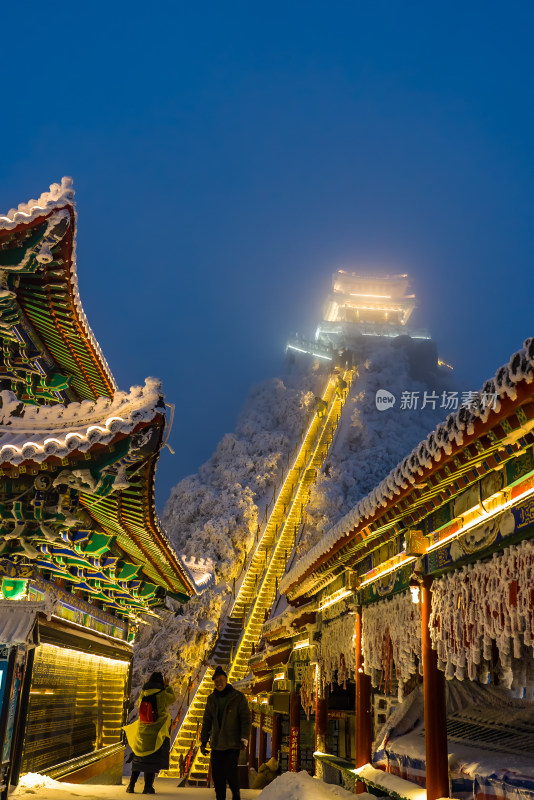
x,y
226,725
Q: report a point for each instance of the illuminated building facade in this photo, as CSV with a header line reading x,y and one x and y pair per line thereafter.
x,y
427,580
362,305
81,550
361,313
369,300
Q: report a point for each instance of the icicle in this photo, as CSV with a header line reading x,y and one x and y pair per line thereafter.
x,y
485,603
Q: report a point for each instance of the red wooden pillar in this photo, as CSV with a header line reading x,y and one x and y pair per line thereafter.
x,y
437,768
294,732
252,748
364,731
321,730
321,723
276,736
262,753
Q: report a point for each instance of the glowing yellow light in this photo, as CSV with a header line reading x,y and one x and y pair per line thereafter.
x,y
385,572
335,598
105,635
415,591
280,676
482,517
290,476
378,296
301,645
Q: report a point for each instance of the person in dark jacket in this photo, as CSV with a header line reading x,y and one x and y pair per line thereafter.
x,y
226,725
149,736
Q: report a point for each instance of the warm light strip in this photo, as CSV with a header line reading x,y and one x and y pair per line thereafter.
x,y
483,517
335,598
301,449
92,630
90,657
280,676
296,490
393,567
361,307
309,352
301,645
378,296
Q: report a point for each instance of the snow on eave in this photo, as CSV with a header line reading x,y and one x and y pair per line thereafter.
x,y
44,431
59,196
284,621
200,572
426,455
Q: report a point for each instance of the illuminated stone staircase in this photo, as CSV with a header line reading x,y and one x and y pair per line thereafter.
x,y
241,630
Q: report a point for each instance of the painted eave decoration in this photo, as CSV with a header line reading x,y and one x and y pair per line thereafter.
x,y
474,441
42,321
77,456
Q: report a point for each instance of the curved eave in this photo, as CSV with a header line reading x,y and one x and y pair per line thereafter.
x,y
50,298
323,569
41,432
130,514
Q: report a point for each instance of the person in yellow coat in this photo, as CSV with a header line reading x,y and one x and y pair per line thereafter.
x,y
149,736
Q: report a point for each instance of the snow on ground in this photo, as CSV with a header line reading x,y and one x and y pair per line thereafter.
x,y
301,786
45,788
289,786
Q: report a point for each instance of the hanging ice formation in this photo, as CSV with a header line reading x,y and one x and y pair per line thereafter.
x,y
337,650
482,604
391,633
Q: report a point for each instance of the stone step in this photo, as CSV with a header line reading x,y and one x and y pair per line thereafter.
x,y
267,565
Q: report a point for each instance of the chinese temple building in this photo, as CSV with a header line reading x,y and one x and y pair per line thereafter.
x,y
362,312
361,305
404,660
82,553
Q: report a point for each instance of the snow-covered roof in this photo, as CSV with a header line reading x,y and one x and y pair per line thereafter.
x,y
426,456
17,620
284,623
58,196
57,430
201,571
51,205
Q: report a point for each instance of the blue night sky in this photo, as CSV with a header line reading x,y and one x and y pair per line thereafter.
x,y
228,157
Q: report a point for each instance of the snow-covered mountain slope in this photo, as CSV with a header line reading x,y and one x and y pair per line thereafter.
x,y
370,442
213,516
214,513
